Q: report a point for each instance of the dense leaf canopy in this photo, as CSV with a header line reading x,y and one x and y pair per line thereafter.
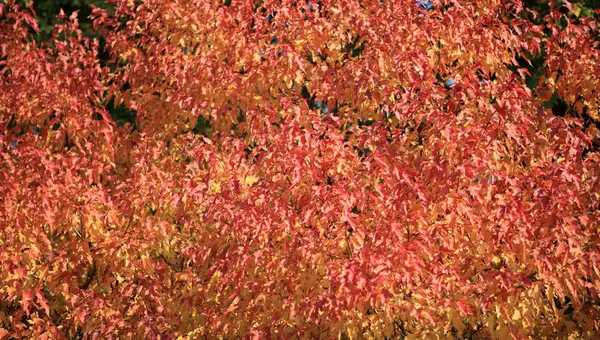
x,y
281,168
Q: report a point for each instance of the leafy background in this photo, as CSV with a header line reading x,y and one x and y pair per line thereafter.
x,y
47,10
154,184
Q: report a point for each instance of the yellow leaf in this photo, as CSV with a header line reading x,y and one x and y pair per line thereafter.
x,y
577,9
215,187
516,315
343,244
388,330
456,321
592,112
491,323
251,180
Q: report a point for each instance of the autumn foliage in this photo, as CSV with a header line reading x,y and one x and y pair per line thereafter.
x,y
322,169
